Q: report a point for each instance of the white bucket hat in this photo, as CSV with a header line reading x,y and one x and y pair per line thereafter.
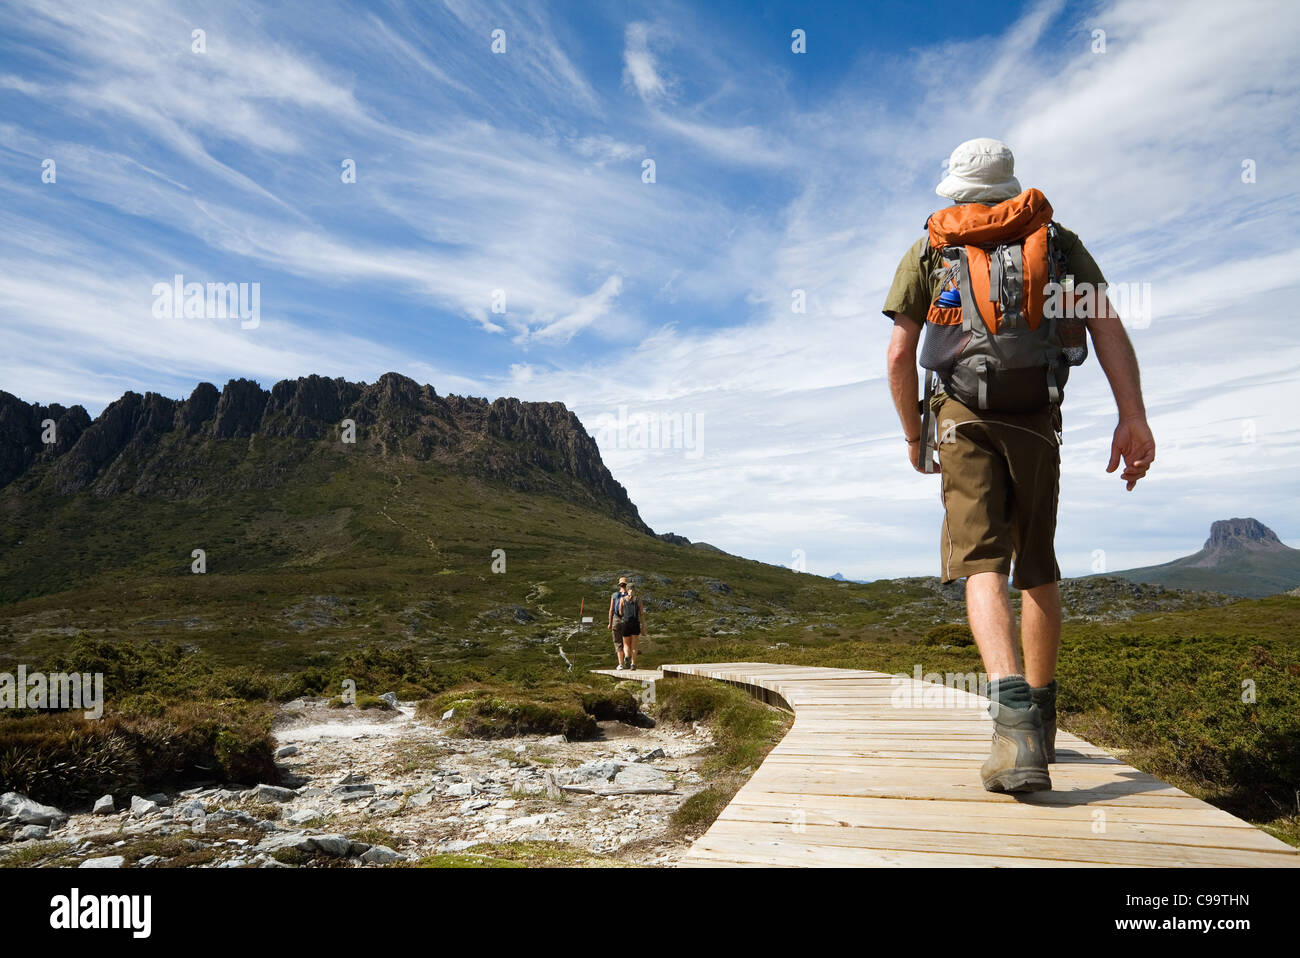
x,y
980,171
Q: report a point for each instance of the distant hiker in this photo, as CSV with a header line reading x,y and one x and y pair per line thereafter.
x,y
1004,294
616,623
633,616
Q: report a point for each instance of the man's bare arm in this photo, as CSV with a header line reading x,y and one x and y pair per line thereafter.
x,y
1133,440
1118,360
903,380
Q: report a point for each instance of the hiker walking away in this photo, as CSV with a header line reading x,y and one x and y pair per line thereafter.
x,y
616,623
633,615
1004,295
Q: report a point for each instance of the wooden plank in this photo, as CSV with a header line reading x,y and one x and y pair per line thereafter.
x,y
1075,823
751,845
1002,847
886,809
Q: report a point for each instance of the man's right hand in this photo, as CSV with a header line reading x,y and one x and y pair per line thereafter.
x,y
913,450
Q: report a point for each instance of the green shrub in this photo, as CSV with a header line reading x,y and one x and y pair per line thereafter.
x,y
690,700
950,633
62,758
606,704
701,809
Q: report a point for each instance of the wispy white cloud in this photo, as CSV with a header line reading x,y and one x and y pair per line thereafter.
x,y
639,68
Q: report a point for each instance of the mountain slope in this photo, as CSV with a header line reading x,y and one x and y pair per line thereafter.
x,y
1241,557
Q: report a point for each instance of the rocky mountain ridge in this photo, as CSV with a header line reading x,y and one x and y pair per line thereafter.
x,y
120,451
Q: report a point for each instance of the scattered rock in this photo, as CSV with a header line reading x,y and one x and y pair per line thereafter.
x,y
452,847
275,793
448,715
461,790
385,807
640,775
282,840
27,812
302,816
140,807
111,861
591,772
104,805
190,811
550,787
29,832
339,846
350,793
530,821
652,754
285,751
389,699
381,855
554,740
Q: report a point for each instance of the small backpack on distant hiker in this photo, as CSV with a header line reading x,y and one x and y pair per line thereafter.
x,y
997,334
630,615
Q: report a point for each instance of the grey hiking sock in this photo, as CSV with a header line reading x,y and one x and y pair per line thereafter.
x,y
1011,692
1044,693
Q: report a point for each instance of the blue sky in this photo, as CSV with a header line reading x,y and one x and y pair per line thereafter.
x,y
521,172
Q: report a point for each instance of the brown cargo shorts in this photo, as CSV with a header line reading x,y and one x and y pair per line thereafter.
x,y
1000,478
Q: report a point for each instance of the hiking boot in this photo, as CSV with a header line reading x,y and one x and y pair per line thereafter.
x,y
1017,762
1045,699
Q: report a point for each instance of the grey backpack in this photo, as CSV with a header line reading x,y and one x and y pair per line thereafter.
x,y
997,335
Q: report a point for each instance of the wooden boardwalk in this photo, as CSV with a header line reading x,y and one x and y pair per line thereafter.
x,y
883,771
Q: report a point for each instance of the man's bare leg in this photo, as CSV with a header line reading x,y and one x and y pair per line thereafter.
x,y
1040,632
988,608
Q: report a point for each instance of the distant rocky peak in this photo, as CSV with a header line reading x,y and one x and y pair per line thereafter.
x,y
1229,533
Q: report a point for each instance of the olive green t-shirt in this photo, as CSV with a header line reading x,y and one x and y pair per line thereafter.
x,y
916,285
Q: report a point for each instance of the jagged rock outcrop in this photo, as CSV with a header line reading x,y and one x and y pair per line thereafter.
x,y
145,444
198,409
674,539
23,432
239,410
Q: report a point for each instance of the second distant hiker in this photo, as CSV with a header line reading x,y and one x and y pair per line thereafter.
x,y
616,623
633,616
